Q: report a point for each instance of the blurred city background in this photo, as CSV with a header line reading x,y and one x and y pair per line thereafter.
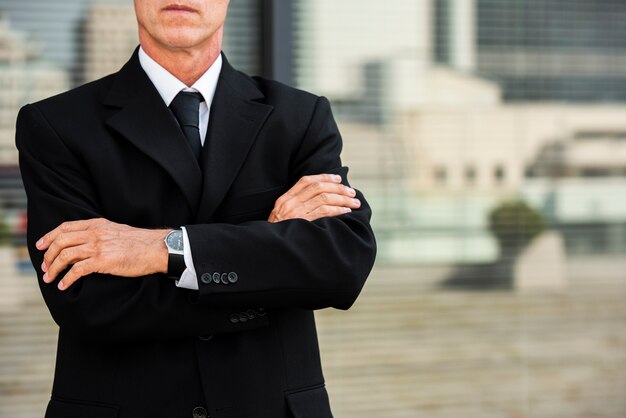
x,y
490,139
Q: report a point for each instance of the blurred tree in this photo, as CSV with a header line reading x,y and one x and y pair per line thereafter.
x,y
515,224
5,233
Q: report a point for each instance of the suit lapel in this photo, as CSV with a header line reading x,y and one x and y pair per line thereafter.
x,y
235,121
145,121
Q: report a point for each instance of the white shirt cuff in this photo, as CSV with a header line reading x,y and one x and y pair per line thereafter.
x,y
189,279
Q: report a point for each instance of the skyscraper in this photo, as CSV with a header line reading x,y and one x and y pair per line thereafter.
x,y
24,78
110,36
548,50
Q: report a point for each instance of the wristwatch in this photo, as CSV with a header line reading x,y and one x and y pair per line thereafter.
x,y
175,259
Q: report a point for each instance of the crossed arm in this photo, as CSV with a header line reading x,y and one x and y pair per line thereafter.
x,y
101,246
303,256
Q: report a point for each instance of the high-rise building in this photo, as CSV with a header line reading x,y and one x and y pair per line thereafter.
x,y
330,58
24,78
548,50
439,121
109,37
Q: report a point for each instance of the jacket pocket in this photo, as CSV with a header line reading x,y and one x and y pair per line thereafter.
x,y
310,403
65,408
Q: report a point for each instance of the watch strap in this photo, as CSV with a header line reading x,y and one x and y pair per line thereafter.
x,y
175,265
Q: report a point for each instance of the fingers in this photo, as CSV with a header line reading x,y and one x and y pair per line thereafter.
x,y
101,246
308,189
326,211
65,240
64,246
66,257
324,204
71,226
315,195
332,199
318,178
78,270
306,181
320,190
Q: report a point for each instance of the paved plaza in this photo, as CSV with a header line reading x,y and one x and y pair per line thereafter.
x,y
410,348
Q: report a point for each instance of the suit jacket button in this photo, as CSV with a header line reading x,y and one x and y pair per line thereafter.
x,y
205,278
216,277
224,278
199,412
234,318
232,277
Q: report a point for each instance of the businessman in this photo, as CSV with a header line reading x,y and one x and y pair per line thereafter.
x,y
185,220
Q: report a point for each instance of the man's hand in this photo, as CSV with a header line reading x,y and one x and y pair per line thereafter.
x,y
101,246
314,197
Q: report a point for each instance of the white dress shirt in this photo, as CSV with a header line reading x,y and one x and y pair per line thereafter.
x,y
168,87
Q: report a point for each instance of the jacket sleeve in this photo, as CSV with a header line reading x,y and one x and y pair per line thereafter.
x,y
294,263
101,307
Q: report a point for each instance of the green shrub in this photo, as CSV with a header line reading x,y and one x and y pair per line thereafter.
x,y
5,233
515,224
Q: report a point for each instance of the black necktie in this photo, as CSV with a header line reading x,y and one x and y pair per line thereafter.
x,y
185,107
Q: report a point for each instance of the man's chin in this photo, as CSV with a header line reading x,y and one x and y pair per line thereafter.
x,y
182,40
178,37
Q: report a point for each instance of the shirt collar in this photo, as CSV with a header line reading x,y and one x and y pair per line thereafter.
x,y
169,86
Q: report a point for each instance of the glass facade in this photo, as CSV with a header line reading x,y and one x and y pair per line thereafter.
x,y
488,136
557,50
475,129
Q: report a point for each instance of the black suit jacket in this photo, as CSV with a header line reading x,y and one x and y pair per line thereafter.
x,y
245,344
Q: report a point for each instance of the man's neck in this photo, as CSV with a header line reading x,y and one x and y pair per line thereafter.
x,y
187,65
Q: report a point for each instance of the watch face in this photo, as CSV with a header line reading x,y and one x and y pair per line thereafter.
x,y
174,240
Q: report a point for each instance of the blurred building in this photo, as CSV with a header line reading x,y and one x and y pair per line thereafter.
x,y
498,149
24,78
330,59
456,131
600,152
547,50
110,36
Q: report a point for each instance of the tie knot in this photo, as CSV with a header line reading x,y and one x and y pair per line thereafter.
x,y
185,107
189,96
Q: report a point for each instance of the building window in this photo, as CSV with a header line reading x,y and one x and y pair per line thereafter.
x,y
595,172
470,175
499,174
442,31
441,175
